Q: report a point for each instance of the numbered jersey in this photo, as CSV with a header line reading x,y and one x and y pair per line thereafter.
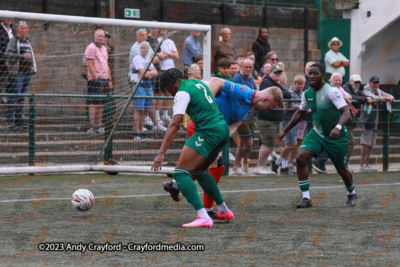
x,y
195,98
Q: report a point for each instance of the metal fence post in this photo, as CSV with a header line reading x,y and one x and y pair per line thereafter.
x,y
109,123
32,132
386,132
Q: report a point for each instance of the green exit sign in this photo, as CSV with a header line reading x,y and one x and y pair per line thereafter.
x,y
132,13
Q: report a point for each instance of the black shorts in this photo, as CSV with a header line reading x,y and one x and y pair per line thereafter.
x,y
96,88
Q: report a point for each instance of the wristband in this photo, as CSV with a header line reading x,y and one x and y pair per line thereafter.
x,y
339,126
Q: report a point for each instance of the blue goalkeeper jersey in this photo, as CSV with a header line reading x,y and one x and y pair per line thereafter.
x,y
235,102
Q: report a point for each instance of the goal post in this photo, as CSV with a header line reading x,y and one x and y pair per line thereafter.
x,y
55,103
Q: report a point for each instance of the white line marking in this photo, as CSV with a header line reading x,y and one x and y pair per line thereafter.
x,y
232,191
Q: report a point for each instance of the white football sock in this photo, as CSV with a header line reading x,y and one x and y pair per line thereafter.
x,y
279,160
351,193
158,115
203,213
165,112
285,163
222,207
306,194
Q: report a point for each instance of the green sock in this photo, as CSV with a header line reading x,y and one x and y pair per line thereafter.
x,y
207,182
350,188
304,185
187,187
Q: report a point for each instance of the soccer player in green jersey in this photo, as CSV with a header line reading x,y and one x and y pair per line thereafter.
x,y
211,135
330,114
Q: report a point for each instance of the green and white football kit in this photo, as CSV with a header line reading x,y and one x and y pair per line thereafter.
x,y
325,105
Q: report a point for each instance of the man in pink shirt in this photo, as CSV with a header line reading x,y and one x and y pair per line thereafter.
x,y
99,79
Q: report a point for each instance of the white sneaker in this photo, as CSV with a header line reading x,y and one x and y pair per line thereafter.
x,y
100,130
144,129
365,168
239,171
273,156
231,157
167,119
148,121
160,122
263,171
159,128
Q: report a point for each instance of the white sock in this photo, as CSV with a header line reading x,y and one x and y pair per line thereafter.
x,y
279,160
158,115
222,207
306,194
208,209
285,163
165,112
203,213
351,193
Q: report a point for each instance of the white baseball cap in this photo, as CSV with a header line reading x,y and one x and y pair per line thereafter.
x,y
355,78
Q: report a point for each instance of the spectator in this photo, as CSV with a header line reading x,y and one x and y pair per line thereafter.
x,y
223,69
239,60
255,74
139,64
141,36
152,40
6,33
245,129
222,49
167,55
272,58
233,69
194,72
266,68
99,79
306,69
269,122
334,60
352,88
370,121
289,152
319,163
261,48
199,61
191,49
21,66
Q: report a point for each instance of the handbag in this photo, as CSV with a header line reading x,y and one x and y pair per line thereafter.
x,y
368,119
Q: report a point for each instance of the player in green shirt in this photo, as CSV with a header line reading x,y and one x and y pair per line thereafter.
x,y
330,114
211,135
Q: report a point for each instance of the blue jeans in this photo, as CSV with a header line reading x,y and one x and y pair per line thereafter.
x,y
19,85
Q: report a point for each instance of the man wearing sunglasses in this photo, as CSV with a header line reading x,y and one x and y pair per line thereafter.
x,y
334,60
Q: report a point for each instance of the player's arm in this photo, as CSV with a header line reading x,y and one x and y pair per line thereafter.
x,y
336,98
169,137
342,121
182,100
234,126
297,116
215,85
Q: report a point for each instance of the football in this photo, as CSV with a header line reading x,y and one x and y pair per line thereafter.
x,y
82,199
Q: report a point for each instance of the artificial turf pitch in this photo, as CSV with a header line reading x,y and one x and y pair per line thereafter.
x,y
267,230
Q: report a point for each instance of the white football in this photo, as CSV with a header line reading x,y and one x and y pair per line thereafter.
x,y
82,199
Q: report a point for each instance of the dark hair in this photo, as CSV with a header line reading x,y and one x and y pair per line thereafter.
x,y
319,66
198,58
168,77
224,62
